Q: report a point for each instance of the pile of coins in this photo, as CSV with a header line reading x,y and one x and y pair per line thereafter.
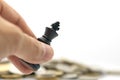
x,y
68,70
56,70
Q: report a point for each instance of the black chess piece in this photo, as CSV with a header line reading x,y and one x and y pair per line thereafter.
x,y
50,33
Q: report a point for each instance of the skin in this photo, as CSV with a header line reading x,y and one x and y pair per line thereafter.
x,y
18,42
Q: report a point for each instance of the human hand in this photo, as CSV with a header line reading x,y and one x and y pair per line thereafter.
x,y
18,42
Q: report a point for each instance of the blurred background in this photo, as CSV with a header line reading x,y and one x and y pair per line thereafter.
x,y
89,29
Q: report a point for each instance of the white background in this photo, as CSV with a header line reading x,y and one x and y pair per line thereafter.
x,y
90,29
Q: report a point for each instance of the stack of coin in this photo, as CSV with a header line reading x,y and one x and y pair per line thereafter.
x,y
56,70
71,70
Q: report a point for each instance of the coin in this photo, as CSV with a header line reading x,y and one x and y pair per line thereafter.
x,y
55,72
64,67
10,76
4,66
70,76
47,76
113,72
88,78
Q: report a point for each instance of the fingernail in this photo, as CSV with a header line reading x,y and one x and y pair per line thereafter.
x,y
48,52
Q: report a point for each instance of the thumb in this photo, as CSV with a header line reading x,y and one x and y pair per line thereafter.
x,y
33,51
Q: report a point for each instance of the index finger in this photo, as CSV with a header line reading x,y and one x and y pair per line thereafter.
x,y
11,15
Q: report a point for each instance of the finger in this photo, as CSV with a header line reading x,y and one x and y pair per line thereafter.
x,y
21,45
21,66
11,15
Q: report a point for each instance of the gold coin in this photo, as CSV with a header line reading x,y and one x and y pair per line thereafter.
x,y
114,72
4,66
55,72
70,76
10,76
47,77
93,74
88,78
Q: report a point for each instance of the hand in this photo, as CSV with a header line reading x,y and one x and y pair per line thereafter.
x,y
18,42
